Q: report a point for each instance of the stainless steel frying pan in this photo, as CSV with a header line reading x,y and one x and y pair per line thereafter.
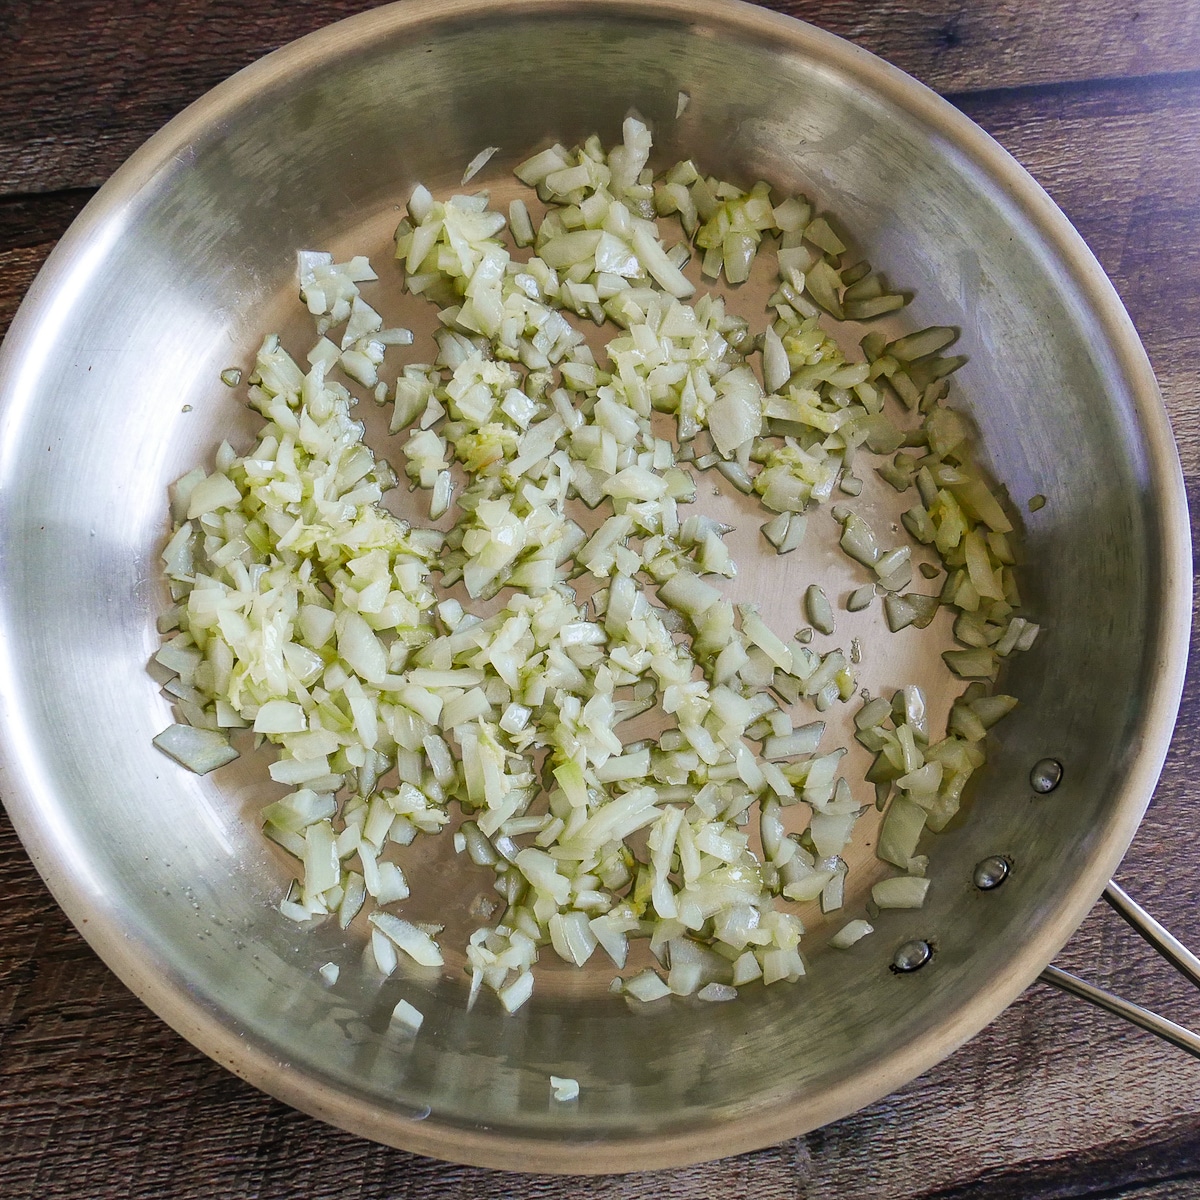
x,y
108,391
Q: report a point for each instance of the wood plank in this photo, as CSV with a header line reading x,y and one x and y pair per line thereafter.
x,y
83,82
956,47
29,228
32,220
99,1099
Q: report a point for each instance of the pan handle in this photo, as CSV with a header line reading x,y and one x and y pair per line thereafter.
x,y
1170,947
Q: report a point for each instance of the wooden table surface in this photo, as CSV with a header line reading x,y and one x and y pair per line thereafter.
x,y
1100,100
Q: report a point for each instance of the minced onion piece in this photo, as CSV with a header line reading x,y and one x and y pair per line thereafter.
x,y
406,1017
860,598
200,750
362,671
818,609
565,1088
901,891
478,163
850,933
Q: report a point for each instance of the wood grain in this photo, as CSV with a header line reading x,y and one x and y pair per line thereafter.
x,y
84,82
29,228
98,1099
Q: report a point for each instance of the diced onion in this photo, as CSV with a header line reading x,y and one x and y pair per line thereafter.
x,y
199,750
406,1017
306,614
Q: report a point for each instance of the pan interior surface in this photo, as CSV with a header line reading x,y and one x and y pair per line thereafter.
x,y
109,387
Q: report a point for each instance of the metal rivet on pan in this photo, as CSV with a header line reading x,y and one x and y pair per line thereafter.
x,y
911,956
1046,775
991,872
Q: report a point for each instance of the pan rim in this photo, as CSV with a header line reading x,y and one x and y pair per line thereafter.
x,y
498,1147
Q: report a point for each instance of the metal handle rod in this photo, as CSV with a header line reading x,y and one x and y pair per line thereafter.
x,y
1169,946
1135,1014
